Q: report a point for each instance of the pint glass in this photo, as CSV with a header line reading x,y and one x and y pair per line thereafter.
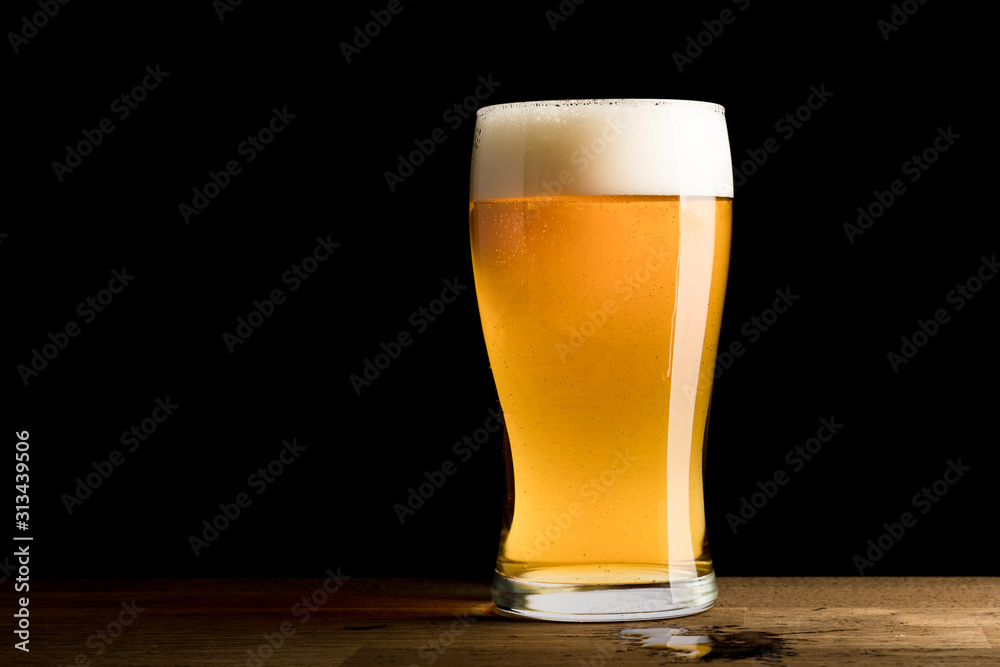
x,y
600,245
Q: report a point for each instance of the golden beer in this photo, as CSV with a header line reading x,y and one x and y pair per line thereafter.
x,y
601,315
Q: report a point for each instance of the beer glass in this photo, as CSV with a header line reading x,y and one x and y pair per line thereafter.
x,y
600,237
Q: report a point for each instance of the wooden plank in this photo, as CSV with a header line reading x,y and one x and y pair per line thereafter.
x,y
277,622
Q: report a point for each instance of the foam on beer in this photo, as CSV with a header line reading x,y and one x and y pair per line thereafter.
x,y
601,147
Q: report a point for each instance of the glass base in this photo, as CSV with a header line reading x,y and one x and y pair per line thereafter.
x,y
602,603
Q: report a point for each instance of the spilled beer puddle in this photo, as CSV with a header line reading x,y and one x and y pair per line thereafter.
x,y
714,643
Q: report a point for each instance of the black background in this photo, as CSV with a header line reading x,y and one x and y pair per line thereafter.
x,y
323,176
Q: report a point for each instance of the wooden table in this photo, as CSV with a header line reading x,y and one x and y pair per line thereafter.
x,y
352,621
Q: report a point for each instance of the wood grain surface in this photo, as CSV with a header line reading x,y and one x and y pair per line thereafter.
x,y
341,620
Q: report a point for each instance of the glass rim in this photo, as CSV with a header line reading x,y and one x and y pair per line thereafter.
x,y
606,102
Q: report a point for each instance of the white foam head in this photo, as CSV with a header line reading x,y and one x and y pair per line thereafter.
x,y
601,147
